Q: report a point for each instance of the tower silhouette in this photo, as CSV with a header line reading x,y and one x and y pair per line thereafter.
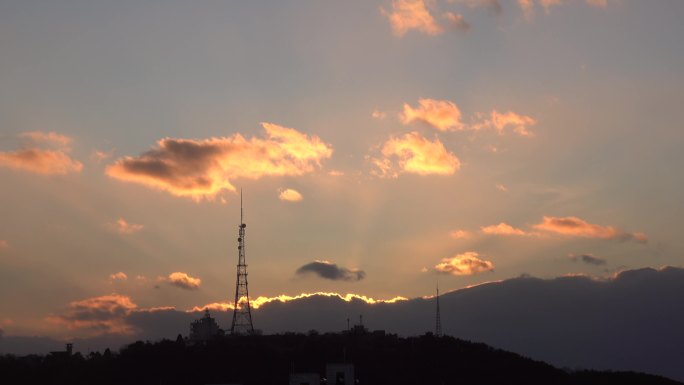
x,y
242,313
438,317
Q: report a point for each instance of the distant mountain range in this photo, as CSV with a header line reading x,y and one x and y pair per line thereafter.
x,y
629,322
374,358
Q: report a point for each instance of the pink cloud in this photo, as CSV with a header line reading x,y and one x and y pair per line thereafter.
x,y
576,227
39,161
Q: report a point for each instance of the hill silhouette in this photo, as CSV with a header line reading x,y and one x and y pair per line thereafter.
x,y
378,359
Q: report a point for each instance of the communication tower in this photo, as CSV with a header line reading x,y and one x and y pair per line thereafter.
x,y
242,313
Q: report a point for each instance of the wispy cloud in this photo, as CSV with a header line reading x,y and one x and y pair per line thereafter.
x,y
413,153
290,195
98,315
459,234
377,114
520,124
202,168
502,229
3,244
329,270
588,259
491,5
47,161
51,137
576,227
182,280
124,227
467,263
456,22
100,156
407,15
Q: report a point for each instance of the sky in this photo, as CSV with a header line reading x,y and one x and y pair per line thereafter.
x,y
380,146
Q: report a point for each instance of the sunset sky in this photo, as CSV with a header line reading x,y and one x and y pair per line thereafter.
x,y
381,146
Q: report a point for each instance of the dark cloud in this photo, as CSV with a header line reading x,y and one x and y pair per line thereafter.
x,y
631,321
589,259
98,315
329,270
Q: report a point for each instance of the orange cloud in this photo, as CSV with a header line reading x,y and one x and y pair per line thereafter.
x,y
260,301
290,195
417,155
457,22
3,244
440,114
48,137
466,263
182,280
124,227
502,229
202,168
576,227
99,315
39,161
120,276
411,14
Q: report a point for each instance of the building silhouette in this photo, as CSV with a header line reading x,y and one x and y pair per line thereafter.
x,y
204,329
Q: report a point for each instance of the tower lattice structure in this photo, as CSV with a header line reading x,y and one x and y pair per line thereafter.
x,y
438,317
242,313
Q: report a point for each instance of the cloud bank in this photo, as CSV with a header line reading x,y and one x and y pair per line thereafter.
x,y
202,168
329,270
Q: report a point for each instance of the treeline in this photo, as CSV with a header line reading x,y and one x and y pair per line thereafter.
x,y
378,359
